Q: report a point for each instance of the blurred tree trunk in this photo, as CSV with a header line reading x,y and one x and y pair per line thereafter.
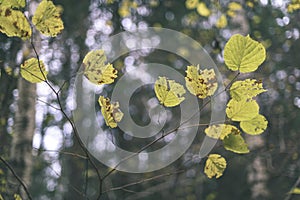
x,y
24,123
21,148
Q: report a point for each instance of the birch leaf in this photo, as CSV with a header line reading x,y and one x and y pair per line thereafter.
x,y
168,92
14,23
32,72
215,166
47,19
243,54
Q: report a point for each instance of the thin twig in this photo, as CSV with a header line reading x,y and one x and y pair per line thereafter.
x,y
289,194
61,152
143,180
64,113
17,177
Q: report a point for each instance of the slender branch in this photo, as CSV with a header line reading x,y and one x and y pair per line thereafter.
x,y
143,180
61,152
289,194
17,177
64,113
48,104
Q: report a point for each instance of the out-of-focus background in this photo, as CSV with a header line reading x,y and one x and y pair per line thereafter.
x,y
34,135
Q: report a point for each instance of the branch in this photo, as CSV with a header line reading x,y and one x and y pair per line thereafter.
x,y
17,177
123,187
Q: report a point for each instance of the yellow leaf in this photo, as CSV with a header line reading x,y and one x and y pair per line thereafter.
x,y
168,92
234,6
247,89
1,198
32,72
222,22
47,19
110,111
296,190
201,83
242,110
220,131
215,166
255,126
14,23
203,10
293,6
17,197
243,54
95,69
13,3
235,143
191,4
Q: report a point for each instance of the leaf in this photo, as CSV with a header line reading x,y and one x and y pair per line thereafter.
x,y
32,72
222,22
191,4
17,197
215,166
95,69
47,19
243,54
220,131
13,3
110,111
201,83
203,10
247,89
296,190
235,143
242,110
14,23
168,92
255,126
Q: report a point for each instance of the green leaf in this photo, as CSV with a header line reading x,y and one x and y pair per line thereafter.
x,y
95,69
235,143
32,72
168,92
47,19
201,83
243,54
220,131
14,23
215,166
13,3
242,110
255,126
247,89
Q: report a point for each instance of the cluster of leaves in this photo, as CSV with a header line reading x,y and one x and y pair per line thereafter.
x,y
241,54
231,10
14,23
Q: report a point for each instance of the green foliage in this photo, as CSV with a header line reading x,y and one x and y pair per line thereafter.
x,y
235,143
